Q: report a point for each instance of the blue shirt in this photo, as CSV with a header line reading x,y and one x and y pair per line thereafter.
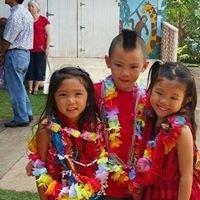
x,y
19,28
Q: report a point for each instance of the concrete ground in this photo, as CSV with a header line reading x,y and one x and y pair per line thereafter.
x,y
13,141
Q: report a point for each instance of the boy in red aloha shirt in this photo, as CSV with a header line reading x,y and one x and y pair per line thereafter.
x,y
118,96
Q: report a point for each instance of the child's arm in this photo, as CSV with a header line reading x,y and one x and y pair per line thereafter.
x,y
185,160
43,141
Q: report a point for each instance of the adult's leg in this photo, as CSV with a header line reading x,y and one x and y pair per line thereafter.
x,y
16,65
40,69
30,87
30,76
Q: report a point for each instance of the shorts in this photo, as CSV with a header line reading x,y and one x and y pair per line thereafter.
x,y
37,67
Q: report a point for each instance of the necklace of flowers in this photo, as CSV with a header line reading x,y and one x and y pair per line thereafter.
x,y
149,166
73,184
111,111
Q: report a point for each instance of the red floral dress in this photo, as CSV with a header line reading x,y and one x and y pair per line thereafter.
x,y
158,169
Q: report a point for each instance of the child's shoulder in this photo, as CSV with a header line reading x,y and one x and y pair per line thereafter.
x,y
43,130
174,127
175,123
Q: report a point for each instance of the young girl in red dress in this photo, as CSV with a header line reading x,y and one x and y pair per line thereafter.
x,y
67,153
169,167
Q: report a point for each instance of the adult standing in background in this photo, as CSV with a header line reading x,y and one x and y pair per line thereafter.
x,y
37,67
17,41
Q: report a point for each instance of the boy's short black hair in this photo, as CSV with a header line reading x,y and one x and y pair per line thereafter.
x,y
128,40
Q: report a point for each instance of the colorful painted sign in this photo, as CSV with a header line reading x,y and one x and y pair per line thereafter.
x,y
145,18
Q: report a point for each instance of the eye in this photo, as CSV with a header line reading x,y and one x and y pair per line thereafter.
x,y
117,64
62,94
134,67
174,98
79,94
158,92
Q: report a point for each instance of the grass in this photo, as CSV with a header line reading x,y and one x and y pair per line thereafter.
x,y
37,102
13,195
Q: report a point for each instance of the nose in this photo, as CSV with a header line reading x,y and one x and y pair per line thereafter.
x,y
163,101
70,100
125,72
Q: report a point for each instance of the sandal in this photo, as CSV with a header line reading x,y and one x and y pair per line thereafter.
x,y
30,91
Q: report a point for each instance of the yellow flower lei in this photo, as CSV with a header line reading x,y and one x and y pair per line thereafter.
x,y
112,114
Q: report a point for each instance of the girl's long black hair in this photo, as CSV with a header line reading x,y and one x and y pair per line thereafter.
x,y
90,114
177,71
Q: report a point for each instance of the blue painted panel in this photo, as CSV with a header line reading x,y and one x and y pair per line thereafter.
x,y
145,18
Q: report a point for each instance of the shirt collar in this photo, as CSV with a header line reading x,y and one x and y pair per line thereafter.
x,y
12,9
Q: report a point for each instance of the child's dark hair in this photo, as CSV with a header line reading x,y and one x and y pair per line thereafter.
x,y
128,40
177,71
2,26
19,1
90,114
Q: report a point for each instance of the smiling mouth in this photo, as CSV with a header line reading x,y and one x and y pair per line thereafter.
x,y
71,109
162,108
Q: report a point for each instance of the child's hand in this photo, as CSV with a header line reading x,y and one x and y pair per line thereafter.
x,y
137,195
29,168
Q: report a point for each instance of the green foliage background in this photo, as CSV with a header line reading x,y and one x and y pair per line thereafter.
x,y
185,15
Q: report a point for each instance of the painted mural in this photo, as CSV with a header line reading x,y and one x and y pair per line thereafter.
x,y
145,18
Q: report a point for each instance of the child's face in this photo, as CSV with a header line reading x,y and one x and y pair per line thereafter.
x,y
126,67
71,98
167,97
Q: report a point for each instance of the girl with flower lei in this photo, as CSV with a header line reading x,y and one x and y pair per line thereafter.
x,y
67,153
169,167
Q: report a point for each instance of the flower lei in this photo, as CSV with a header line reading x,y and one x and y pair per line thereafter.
x,y
73,184
149,166
78,187
111,112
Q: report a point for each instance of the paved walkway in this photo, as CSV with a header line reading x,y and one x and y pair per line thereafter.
x,y
13,159
13,141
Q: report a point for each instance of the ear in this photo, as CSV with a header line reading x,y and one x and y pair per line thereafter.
x,y
107,59
146,63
